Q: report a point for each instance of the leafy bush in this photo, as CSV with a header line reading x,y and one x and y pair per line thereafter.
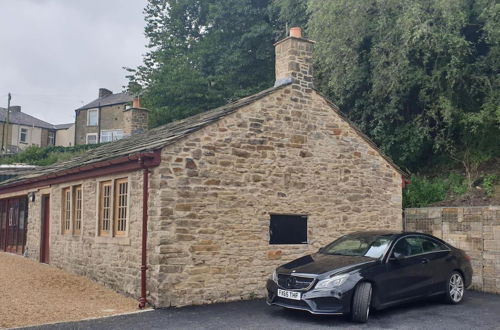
x,y
34,155
488,183
424,191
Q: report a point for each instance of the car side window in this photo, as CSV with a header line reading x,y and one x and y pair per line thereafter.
x,y
402,247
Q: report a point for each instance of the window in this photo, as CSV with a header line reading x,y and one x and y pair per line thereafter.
x,y
77,212
113,207
414,245
52,138
92,138
105,208
111,135
92,117
121,200
66,210
288,229
23,135
367,245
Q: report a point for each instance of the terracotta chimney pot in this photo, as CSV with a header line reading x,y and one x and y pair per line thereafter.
x,y
136,103
296,32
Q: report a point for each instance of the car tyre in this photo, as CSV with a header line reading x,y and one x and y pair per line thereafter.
x,y
455,288
361,302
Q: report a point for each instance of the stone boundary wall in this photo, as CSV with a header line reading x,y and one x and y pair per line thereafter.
x,y
475,230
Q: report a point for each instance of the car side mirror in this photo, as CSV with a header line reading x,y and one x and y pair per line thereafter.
x,y
321,250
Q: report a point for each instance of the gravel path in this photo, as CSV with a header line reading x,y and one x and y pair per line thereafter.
x,y
32,293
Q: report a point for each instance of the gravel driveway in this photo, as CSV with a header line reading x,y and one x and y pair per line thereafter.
x,y
33,293
478,311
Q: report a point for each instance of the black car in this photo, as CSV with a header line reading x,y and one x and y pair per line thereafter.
x,y
366,270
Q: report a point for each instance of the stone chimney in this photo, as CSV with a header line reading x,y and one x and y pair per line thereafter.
x,y
104,92
135,118
15,108
294,60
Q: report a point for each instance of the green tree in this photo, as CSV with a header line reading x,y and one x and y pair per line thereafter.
x,y
420,77
203,54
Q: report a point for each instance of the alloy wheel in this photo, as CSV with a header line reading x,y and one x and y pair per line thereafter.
x,y
456,287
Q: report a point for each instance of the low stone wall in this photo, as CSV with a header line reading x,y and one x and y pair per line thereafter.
x,y
475,230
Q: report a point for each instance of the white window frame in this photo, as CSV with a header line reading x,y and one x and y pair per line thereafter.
x,y
110,135
21,134
89,111
87,138
52,138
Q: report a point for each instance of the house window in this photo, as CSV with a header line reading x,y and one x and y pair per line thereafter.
x,y
105,208
121,203
91,138
23,135
52,138
288,229
113,207
77,220
92,117
111,135
66,210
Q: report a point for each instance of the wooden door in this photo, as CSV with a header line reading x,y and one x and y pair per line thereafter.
x,y
3,225
45,230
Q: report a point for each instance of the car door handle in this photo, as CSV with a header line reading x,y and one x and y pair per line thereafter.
x,y
424,261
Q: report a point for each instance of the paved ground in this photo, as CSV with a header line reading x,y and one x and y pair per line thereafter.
x,y
478,311
34,293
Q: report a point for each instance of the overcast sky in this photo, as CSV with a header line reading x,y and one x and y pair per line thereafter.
x,y
55,54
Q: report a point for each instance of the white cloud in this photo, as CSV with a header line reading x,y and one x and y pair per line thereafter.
x,y
55,54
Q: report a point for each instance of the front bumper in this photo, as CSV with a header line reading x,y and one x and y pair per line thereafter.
x,y
331,302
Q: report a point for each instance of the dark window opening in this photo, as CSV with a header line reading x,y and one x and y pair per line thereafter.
x,y
288,229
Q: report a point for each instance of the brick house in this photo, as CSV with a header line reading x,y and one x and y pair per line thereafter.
x,y
175,214
108,118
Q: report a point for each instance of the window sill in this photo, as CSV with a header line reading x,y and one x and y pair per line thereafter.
x,y
112,240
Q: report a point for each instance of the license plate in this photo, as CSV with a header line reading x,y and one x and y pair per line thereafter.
x,y
289,294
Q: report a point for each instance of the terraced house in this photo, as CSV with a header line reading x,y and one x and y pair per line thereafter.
x,y
203,209
108,118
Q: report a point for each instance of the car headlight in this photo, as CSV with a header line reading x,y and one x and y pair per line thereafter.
x,y
274,277
329,283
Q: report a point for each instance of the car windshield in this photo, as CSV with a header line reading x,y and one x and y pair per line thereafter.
x,y
372,246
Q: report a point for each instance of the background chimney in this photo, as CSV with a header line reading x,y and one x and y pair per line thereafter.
x,y
104,92
294,60
15,108
136,102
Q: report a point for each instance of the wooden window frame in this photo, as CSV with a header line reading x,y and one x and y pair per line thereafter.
x,y
118,210
105,218
96,111
77,211
120,207
66,211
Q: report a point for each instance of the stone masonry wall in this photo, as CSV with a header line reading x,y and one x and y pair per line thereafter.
x,y
475,230
212,196
135,120
112,261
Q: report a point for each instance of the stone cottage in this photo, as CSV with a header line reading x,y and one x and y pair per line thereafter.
x,y
203,209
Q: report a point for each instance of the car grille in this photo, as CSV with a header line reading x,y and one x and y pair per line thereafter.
x,y
294,282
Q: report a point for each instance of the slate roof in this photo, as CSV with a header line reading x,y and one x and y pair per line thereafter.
x,y
64,126
148,141
21,118
111,99
165,135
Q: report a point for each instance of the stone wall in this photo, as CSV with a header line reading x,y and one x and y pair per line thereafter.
x,y
135,120
213,193
475,230
111,117
112,261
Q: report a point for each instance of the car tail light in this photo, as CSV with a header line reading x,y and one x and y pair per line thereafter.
x,y
467,257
